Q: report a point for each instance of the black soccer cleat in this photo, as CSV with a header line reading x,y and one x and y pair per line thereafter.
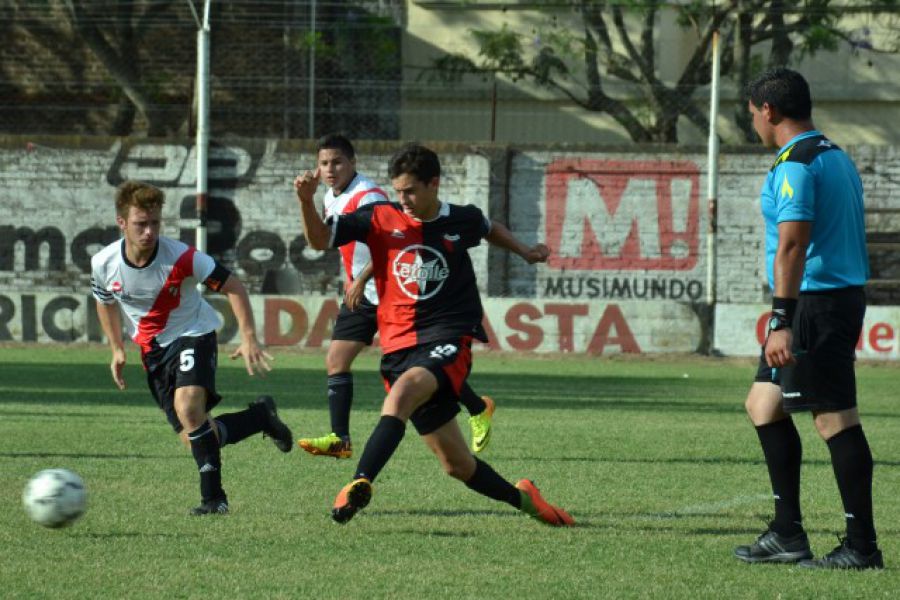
x,y
211,507
274,427
771,547
845,557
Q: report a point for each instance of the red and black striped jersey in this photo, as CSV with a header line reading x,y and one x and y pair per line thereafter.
x,y
422,270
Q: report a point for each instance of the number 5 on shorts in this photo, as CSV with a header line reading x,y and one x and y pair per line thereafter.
x,y
187,359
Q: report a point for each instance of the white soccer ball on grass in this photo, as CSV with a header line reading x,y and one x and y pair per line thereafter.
x,y
55,498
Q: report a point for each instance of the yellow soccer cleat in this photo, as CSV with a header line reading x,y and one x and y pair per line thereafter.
x,y
481,425
327,445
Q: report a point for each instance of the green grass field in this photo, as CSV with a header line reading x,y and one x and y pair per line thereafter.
x,y
653,457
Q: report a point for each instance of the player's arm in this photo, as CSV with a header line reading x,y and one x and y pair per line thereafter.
x,y
501,236
357,287
317,232
111,323
794,196
256,359
790,260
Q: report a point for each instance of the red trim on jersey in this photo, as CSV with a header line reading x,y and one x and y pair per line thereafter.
x,y
396,310
156,318
348,250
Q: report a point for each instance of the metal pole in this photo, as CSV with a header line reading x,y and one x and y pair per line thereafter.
x,y
311,110
202,141
713,182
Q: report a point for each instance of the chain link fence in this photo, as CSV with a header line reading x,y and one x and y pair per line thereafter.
x,y
279,69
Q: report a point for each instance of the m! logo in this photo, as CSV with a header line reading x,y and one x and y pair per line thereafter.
x,y
420,271
622,215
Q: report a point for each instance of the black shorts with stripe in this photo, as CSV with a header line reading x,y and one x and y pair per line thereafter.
x,y
359,325
186,361
450,361
826,329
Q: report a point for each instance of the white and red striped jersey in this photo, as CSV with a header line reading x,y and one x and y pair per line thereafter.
x,y
355,255
159,300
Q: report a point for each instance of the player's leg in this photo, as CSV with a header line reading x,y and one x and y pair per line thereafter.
x,y
338,362
851,459
259,416
481,410
353,331
409,391
824,379
447,443
785,540
190,407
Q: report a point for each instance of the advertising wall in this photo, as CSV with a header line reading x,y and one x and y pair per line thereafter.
x,y
626,229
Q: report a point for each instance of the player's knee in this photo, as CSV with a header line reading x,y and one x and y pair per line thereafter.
x,y
461,467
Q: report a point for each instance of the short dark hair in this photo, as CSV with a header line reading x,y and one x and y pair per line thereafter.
x,y
784,90
138,194
415,159
336,141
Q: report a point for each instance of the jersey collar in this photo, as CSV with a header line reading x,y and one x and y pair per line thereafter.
x,y
797,138
443,211
131,264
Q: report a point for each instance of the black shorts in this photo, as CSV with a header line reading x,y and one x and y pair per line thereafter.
x,y
358,325
449,361
186,361
826,329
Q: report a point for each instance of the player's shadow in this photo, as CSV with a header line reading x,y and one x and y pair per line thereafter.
x,y
305,388
88,455
681,460
131,534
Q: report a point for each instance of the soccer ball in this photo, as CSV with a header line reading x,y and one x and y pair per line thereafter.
x,y
55,498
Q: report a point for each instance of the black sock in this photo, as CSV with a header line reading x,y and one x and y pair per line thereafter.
x,y
472,401
487,482
784,452
340,399
205,449
237,426
381,445
852,462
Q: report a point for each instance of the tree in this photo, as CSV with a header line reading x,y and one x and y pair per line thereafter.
x,y
617,45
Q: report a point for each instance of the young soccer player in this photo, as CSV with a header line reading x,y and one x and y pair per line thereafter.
x,y
429,312
356,323
153,279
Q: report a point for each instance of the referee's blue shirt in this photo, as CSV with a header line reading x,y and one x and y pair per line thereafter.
x,y
814,180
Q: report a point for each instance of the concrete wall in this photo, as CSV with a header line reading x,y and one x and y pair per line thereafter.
x,y
626,227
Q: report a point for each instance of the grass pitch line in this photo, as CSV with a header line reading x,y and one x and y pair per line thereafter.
x,y
711,508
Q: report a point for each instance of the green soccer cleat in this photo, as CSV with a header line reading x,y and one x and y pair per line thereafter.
x,y
481,425
327,445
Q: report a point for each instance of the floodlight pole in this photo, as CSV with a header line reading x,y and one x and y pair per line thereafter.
x,y
202,139
311,100
712,181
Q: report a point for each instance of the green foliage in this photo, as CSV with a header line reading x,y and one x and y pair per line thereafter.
x,y
654,458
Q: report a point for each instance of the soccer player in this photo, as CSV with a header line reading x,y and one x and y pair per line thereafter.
x,y
356,323
429,312
812,204
153,279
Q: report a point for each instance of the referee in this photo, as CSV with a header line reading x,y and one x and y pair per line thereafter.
x,y
817,265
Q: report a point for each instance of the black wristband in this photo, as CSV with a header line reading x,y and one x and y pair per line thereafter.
x,y
785,309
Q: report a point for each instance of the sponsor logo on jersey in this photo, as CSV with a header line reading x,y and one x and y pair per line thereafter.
x,y
397,234
116,287
451,237
420,271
